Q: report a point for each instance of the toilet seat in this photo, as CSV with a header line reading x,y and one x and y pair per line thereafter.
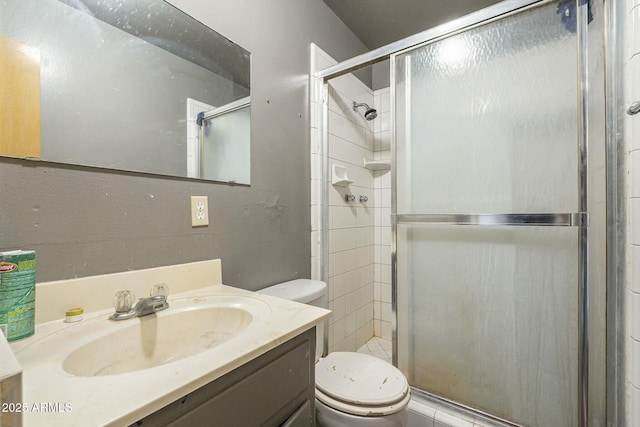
x,y
360,384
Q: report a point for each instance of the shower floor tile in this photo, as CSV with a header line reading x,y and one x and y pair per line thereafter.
x,y
377,347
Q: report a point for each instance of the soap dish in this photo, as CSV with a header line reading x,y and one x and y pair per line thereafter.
x,y
339,176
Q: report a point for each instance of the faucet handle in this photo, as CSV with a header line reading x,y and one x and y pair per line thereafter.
x,y
160,289
123,301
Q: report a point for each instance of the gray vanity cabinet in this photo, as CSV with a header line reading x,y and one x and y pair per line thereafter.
x,y
275,389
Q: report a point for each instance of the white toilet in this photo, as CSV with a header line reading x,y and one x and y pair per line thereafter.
x,y
352,389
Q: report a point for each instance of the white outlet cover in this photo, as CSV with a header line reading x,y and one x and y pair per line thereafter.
x,y
199,211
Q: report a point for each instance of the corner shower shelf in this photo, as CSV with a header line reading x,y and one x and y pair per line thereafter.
x,y
377,165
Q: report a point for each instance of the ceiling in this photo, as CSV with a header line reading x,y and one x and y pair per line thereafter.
x,y
380,22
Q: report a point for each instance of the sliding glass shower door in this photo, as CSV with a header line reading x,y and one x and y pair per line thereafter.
x,y
491,255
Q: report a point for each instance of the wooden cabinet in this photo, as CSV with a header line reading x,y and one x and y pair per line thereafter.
x,y
275,389
20,94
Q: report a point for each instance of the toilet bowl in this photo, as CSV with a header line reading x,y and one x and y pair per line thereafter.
x,y
352,389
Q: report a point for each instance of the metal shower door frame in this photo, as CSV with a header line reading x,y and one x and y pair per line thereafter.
x,y
212,114
578,219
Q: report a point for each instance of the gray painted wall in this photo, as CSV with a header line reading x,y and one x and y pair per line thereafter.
x,y
84,221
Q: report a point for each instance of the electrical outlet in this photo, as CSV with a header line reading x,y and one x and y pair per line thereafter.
x,y
199,211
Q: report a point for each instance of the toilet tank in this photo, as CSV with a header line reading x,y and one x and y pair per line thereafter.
x,y
306,291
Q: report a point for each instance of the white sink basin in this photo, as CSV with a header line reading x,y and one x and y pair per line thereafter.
x,y
154,340
99,347
136,366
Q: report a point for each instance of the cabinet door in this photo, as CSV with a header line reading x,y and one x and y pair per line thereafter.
x,y
275,389
300,418
255,399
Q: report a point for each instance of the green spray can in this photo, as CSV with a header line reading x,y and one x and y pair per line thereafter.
x,y
17,294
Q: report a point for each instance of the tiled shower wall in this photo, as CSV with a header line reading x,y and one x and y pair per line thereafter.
x,y
382,215
632,126
351,223
359,232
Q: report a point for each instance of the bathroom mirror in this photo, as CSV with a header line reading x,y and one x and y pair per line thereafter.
x,y
133,85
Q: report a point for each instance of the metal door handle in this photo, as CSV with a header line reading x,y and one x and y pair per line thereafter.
x,y
634,108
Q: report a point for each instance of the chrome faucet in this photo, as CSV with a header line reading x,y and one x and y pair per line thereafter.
x,y
122,301
150,305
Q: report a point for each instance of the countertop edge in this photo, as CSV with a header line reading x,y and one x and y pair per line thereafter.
x,y
208,377
289,319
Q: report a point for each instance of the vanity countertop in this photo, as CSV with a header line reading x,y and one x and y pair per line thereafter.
x,y
10,384
51,396
9,366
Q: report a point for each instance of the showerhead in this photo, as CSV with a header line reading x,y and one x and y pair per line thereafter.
x,y
369,114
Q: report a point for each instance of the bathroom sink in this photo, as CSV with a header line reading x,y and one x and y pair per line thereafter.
x,y
137,366
155,340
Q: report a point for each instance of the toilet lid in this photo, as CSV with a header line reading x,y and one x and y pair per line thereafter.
x,y
360,379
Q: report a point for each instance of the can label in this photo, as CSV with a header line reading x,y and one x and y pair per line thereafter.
x,y
17,294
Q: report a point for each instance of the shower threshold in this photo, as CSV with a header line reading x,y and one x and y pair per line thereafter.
x,y
426,409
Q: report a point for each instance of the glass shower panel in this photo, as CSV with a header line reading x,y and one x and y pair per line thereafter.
x,y
487,119
490,318
486,122
226,147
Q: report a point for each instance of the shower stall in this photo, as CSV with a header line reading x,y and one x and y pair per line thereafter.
x,y
499,211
